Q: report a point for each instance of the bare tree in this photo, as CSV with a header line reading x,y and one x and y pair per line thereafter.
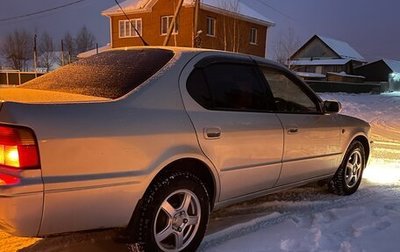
x,y
84,40
68,51
286,45
231,31
46,51
17,49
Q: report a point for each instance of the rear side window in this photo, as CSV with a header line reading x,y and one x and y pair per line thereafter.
x,y
110,74
229,87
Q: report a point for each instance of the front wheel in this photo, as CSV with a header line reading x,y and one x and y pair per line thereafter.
x,y
348,177
174,214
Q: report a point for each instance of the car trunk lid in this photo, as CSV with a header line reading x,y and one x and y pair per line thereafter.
x,y
23,95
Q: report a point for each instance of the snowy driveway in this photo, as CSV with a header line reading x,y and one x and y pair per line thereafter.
x,y
309,218
302,219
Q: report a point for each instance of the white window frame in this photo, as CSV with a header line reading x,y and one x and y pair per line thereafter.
x,y
253,36
168,19
211,26
127,30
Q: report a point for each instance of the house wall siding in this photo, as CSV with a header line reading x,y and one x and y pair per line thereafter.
x,y
232,34
324,68
151,23
223,40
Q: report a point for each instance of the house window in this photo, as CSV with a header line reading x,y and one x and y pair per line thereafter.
x,y
127,28
211,26
253,36
166,21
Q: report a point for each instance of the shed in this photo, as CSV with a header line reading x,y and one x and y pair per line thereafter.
x,y
384,70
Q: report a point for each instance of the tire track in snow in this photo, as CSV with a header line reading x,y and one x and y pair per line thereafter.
x,y
292,211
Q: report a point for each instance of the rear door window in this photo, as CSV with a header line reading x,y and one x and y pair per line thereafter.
x,y
229,86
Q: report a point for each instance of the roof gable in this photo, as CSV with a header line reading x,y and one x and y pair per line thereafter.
x,y
343,49
394,65
130,6
243,12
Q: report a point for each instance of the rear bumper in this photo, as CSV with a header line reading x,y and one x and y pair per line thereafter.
x,y
21,205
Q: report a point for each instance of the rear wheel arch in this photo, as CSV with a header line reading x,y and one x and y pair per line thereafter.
x,y
196,167
193,166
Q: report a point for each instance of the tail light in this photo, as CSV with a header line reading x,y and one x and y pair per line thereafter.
x,y
18,148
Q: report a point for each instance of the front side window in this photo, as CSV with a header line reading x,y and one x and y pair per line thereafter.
x,y
288,96
253,36
229,87
166,21
211,26
130,28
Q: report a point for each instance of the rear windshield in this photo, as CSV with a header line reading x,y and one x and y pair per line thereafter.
x,y
109,74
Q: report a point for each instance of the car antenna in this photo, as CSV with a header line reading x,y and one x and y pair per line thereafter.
x,y
134,27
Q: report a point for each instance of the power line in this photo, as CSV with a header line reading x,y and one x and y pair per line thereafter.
x,y
263,2
40,12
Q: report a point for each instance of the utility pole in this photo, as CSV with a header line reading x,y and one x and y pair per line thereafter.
x,y
35,52
172,25
62,52
196,23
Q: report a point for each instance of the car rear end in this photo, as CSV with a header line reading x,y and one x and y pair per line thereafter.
x,y
22,191
67,141
21,187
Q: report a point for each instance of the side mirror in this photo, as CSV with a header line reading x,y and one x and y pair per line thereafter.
x,y
332,106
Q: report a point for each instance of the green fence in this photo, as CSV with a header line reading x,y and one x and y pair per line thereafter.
x,y
345,87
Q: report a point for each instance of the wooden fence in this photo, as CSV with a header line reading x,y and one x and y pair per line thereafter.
x,y
16,77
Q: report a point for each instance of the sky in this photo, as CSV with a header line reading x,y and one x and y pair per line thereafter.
x,y
370,26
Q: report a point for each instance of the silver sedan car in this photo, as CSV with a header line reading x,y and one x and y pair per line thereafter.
x,y
152,139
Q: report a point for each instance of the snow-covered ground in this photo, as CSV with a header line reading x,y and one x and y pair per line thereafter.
x,y
303,219
311,219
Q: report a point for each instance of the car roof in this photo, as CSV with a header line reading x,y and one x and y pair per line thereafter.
x,y
259,60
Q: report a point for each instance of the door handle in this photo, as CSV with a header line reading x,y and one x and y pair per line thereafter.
x,y
212,133
293,130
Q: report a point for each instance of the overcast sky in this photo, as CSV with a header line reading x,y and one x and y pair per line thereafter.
x,y
370,26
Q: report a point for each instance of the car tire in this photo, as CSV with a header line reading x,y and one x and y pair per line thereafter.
x,y
174,213
348,176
